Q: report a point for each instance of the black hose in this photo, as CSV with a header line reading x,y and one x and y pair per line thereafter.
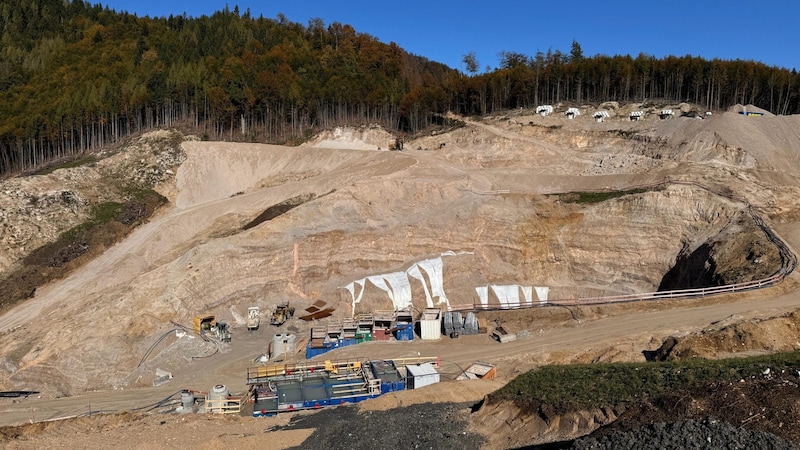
x,y
160,402
152,347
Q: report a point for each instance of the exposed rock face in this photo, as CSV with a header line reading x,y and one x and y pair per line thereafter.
x,y
35,210
357,213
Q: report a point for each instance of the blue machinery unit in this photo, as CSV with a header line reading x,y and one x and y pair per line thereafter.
x,y
380,326
326,346
290,387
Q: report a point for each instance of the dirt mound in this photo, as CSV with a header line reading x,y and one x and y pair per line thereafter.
x,y
367,137
766,404
153,431
507,425
439,426
764,400
707,433
774,334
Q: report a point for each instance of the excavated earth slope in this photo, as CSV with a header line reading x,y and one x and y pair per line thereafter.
x,y
252,224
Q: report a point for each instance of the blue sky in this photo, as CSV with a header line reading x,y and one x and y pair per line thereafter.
x,y
445,30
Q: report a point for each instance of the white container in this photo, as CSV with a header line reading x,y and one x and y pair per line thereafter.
x,y
430,324
420,375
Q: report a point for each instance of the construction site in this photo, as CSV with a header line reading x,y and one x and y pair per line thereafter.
x,y
336,277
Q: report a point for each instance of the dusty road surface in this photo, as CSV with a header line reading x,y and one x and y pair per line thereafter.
x,y
500,197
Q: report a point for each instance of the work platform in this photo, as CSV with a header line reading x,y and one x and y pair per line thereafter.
x,y
292,387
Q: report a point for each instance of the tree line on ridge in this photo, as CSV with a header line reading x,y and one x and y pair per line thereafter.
x,y
75,76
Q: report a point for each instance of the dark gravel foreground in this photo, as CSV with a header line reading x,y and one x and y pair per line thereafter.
x,y
689,434
439,426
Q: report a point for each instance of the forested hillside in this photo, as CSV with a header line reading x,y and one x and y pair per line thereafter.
x,y
75,76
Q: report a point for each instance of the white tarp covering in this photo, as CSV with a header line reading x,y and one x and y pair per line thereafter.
x,y
483,294
397,285
507,295
379,282
527,293
542,292
414,272
433,267
401,289
352,288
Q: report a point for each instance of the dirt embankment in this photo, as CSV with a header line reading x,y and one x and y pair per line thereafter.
x,y
481,191
766,403
733,337
509,426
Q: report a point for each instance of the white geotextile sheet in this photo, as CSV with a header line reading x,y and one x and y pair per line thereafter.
x,y
542,292
414,272
395,285
433,267
527,292
483,294
507,295
398,287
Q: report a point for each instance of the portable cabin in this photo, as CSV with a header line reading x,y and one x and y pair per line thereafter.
x,y
430,324
364,327
420,375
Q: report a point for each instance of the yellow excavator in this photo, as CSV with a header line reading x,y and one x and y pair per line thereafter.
x,y
283,312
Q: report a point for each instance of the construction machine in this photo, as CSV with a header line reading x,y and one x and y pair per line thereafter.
x,y
223,332
283,312
253,318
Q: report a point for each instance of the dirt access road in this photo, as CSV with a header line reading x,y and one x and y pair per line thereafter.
x,y
158,254
627,329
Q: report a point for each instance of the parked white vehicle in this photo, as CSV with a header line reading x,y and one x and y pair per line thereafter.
x,y
253,318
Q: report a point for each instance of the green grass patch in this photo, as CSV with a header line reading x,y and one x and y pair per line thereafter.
x,y
143,193
614,384
102,214
597,197
69,164
108,223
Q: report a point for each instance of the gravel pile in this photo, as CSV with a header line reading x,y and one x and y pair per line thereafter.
x,y
425,426
689,434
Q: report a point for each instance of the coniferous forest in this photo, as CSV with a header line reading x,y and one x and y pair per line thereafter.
x,y
75,76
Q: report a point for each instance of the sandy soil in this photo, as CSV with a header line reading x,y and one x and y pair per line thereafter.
x,y
222,186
